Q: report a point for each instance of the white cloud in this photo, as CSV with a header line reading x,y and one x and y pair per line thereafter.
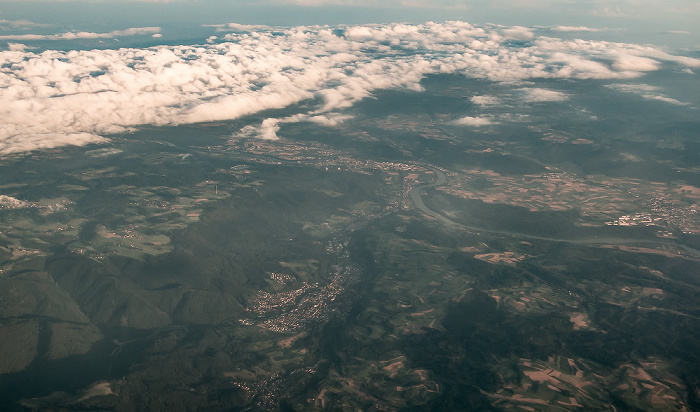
x,y
645,91
591,58
27,142
664,99
472,121
635,63
108,151
269,127
518,33
330,119
83,34
235,27
56,98
535,95
485,100
18,47
567,29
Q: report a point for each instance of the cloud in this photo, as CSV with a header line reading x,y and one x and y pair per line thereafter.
x,y
615,11
485,100
266,131
472,121
27,142
569,29
109,151
235,27
269,127
19,24
518,33
536,95
434,4
645,91
18,47
56,98
590,57
83,34
636,63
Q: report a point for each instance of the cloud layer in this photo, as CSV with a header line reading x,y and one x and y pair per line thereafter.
x,y
134,31
646,91
57,98
575,29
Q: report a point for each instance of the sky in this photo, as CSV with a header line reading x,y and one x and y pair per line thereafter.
x,y
672,22
77,73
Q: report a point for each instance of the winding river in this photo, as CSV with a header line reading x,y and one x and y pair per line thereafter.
x,y
416,196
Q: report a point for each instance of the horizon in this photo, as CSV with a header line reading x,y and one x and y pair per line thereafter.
x,y
668,25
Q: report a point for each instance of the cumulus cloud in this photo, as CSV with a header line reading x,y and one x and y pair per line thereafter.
x,y
485,100
472,121
269,127
518,33
56,98
636,63
589,57
646,91
18,47
83,34
535,95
